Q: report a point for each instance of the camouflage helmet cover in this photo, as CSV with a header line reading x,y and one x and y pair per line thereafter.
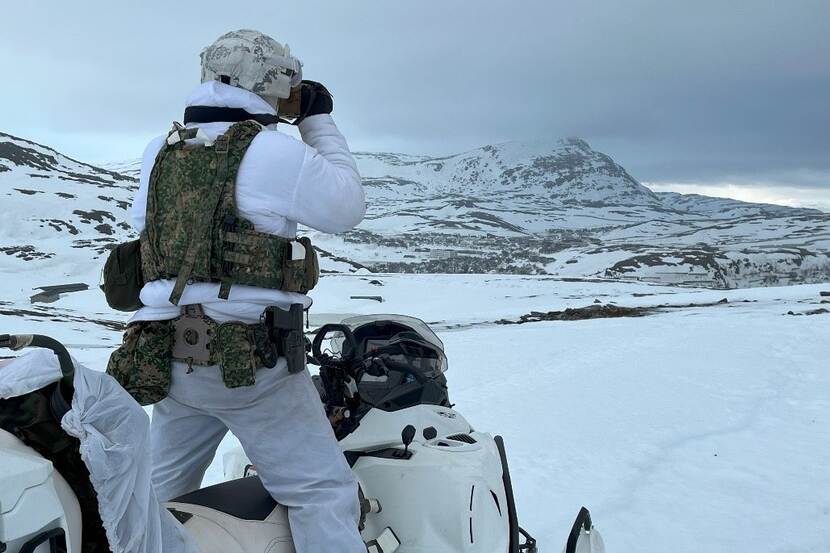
x,y
254,61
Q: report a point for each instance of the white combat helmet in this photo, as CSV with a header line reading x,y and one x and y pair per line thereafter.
x,y
253,61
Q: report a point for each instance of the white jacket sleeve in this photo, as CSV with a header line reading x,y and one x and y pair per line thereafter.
x,y
138,211
329,195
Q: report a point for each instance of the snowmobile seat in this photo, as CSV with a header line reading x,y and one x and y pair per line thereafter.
x,y
239,515
244,498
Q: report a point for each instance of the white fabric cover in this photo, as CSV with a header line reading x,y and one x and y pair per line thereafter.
x,y
253,61
29,372
115,446
281,182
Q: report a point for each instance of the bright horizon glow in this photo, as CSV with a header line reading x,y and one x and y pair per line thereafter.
x,y
815,198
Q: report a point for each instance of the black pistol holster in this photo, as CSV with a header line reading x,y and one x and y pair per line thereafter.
x,y
286,330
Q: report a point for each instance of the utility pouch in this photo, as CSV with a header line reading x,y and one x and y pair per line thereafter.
x,y
236,350
301,271
142,363
267,351
287,327
123,278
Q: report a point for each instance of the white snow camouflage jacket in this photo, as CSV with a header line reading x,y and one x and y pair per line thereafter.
x,y
281,182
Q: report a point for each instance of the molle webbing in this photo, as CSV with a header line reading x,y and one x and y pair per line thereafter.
x,y
202,226
194,232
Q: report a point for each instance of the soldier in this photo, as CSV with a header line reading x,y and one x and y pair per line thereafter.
x,y
217,208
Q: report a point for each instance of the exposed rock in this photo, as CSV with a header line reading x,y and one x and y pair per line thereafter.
x,y
59,226
820,311
104,228
51,313
378,299
601,311
582,313
96,215
49,294
26,253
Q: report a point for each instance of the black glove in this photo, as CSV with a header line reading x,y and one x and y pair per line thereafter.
x,y
315,99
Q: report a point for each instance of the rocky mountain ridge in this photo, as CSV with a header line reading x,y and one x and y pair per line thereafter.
x,y
557,208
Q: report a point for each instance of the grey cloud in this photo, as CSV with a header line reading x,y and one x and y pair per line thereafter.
x,y
675,91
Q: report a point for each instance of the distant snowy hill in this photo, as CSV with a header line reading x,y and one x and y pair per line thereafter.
x,y
563,208
557,208
58,215
129,168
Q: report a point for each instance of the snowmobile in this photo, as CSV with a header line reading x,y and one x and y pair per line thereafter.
x,y
428,481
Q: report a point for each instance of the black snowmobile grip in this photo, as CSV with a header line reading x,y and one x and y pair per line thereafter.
x,y
63,393
512,518
317,345
583,520
516,531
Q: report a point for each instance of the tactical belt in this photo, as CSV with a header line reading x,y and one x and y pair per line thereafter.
x,y
201,341
240,349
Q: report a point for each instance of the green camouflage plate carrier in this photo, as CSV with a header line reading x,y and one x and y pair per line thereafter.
x,y
194,232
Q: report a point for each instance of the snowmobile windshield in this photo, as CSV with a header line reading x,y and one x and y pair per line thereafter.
x,y
416,325
403,343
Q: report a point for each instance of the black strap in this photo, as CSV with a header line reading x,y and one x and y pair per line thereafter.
x,y
213,114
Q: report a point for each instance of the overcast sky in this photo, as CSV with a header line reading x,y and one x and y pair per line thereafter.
x,y
726,95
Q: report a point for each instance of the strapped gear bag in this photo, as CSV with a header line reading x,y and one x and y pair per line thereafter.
x,y
122,277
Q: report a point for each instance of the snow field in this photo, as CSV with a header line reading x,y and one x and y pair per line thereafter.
x,y
695,430
691,431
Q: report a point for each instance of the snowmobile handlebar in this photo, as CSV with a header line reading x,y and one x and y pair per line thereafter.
x,y
349,360
323,358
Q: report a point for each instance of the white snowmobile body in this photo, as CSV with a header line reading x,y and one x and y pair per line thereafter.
x,y
445,492
36,503
429,483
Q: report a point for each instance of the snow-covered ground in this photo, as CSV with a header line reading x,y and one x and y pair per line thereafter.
x,y
694,430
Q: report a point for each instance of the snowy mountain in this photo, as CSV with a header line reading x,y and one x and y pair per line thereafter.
x,y
558,208
562,208
59,215
128,168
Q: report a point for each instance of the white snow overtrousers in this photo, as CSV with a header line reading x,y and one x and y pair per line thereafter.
x,y
283,429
